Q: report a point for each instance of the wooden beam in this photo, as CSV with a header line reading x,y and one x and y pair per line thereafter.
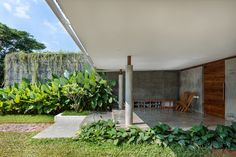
x,y
129,60
120,71
196,66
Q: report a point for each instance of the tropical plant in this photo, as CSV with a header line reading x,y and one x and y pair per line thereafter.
x,y
162,134
106,131
76,94
95,93
79,91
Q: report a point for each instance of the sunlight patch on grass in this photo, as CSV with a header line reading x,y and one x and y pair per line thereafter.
x,y
26,119
73,113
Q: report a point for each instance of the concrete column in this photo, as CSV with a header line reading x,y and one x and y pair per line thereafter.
x,y
120,90
129,93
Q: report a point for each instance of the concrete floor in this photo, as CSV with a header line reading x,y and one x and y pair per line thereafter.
x,y
116,115
96,116
146,117
177,119
119,117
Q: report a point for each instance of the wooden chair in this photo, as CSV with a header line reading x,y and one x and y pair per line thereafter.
x,y
182,101
184,107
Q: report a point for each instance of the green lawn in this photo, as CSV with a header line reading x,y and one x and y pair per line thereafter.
x,y
26,119
73,113
21,144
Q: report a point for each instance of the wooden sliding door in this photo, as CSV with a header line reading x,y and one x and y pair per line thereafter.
x,y
214,89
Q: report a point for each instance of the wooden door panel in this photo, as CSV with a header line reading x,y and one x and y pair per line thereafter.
x,y
215,110
214,66
214,79
213,99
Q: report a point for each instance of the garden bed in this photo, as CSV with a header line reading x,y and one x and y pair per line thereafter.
x,y
223,152
24,127
223,137
25,123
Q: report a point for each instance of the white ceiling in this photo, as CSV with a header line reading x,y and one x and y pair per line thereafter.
x,y
158,34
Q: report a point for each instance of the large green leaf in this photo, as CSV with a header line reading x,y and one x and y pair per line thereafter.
x,y
17,98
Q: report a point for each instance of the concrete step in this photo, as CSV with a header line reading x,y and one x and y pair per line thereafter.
x,y
64,127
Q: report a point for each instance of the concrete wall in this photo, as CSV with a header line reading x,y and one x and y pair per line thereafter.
x,y
170,84
191,80
152,84
156,84
230,89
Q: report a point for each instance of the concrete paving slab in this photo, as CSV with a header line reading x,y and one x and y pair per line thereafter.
x,y
67,126
63,128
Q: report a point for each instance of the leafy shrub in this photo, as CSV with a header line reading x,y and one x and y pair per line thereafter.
x,y
198,136
106,131
31,98
87,91
79,91
76,94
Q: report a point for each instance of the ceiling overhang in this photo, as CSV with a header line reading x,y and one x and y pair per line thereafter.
x,y
158,34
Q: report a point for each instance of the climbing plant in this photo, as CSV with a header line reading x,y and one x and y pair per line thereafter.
x,y
40,66
13,40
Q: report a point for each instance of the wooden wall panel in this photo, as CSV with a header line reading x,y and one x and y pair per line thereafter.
x,y
214,94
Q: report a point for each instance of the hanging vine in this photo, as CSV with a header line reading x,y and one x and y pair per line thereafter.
x,y
37,66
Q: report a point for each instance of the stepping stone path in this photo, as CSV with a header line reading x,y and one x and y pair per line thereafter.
x,y
34,127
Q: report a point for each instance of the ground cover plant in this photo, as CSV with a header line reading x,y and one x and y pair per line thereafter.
x,y
22,144
223,137
78,91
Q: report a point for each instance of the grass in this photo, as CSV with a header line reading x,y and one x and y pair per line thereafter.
x,y
21,144
73,113
26,119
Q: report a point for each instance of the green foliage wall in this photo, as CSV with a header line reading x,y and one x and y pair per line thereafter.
x,y
40,66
